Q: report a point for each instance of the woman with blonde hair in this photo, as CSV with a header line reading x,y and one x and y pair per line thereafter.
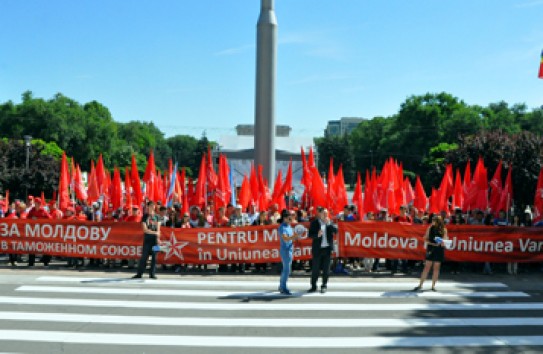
x,y
435,250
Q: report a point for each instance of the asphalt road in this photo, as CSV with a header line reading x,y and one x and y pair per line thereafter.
x,y
69,311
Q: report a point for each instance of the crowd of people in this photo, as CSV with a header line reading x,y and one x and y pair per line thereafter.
x,y
237,216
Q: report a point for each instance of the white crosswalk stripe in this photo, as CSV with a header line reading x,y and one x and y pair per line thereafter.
x,y
228,315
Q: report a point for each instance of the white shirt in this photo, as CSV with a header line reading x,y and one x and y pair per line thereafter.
x,y
324,239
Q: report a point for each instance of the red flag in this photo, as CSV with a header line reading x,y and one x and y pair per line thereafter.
x,y
200,193
127,189
149,177
264,190
458,194
421,200
541,67
287,186
311,160
135,182
245,193
277,196
331,197
64,194
341,191
80,192
306,174
357,197
466,185
116,190
506,198
445,189
434,202
538,198
182,183
482,187
221,190
190,193
101,177
92,187
212,178
253,179
369,195
317,190
496,189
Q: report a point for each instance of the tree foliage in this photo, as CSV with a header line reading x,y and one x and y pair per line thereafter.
x,y
43,171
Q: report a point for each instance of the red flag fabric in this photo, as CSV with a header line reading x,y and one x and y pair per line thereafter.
x,y
306,173
311,160
496,190
538,198
458,194
101,177
541,67
277,196
212,178
80,191
264,190
357,199
506,198
317,190
200,193
421,200
331,197
64,194
445,189
127,189
116,190
136,183
341,191
92,189
466,185
253,179
244,196
149,177
369,195
221,189
190,193
434,202
287,186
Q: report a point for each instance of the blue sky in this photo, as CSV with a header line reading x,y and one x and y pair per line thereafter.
x,y
189,65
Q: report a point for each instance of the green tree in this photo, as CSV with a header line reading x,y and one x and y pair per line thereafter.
x,y
338,148
523,151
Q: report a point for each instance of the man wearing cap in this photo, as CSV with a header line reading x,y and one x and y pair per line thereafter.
x,y
38,212
54,211
238,218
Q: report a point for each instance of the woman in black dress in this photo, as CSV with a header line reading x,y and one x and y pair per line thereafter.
x,y
435,250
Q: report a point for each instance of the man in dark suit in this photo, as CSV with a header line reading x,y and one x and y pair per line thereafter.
x,y
322,231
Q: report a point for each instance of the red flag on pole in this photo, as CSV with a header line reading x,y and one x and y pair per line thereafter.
x,y
92,185
421,200
116,190
212,178
341,191
101,177
506,198
127,189
357,199
149,177
135,182
200,193
496,190
244,196
458,194
64,194
80,191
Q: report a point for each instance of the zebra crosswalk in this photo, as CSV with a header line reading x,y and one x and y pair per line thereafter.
x,y
117,315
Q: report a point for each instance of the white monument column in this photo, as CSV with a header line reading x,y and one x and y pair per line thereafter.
x,y
266,62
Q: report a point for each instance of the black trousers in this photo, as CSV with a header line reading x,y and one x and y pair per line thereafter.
x,y
321,262
148,242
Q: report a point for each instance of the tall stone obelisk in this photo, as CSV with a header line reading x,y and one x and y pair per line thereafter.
x,y
266,60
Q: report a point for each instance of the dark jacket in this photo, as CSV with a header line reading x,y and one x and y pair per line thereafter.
x,y
314,228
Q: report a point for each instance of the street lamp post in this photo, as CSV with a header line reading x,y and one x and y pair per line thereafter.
x,y
28,140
